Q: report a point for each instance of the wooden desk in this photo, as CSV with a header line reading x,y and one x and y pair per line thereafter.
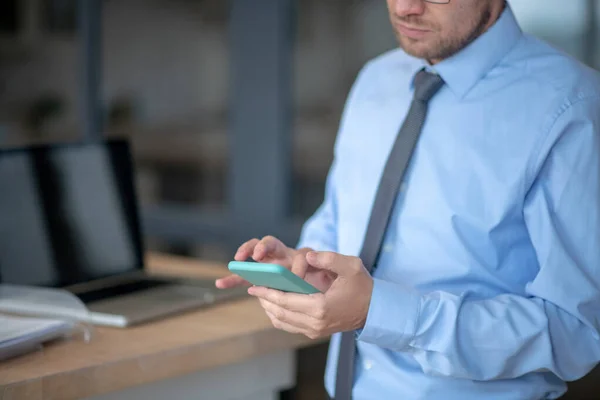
x,y
218,338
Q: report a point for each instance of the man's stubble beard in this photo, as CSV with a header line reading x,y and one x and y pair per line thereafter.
x,y
446,48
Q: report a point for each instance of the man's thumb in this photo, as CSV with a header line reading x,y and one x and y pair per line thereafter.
x,y
330,261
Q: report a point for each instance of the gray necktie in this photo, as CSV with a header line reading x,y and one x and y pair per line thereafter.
x,y
426,85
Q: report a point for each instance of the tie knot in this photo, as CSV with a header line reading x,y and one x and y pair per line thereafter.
x,y
426,85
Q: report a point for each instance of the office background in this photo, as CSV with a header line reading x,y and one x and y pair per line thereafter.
x,y
232,106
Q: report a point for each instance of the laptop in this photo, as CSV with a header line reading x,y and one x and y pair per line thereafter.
x,y
69,219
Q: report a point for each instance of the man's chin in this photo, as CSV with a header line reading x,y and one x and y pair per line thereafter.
x,y
422,51
416,51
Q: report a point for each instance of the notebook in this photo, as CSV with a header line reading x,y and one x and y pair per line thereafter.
x,y
20,335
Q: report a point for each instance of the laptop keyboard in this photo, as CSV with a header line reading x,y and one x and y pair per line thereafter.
x,y
122,289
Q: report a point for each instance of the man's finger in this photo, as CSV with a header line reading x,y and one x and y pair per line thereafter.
x,y
283,325
300,265
245,250
306,304
268,245
230,282
334,262
300,321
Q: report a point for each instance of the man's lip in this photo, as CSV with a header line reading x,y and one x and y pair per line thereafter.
x,y
414,33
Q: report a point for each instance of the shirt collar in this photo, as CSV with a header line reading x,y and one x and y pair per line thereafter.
x,y
464,69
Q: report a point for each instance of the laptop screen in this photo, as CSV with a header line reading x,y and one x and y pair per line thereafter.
x,y
68,213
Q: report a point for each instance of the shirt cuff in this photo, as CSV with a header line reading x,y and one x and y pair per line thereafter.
x,y
392,317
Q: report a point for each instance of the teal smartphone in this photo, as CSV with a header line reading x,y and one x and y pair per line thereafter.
x,y
272,276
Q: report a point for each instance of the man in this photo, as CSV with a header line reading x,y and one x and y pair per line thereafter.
x,y
487,280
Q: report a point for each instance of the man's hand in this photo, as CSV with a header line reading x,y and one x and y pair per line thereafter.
x,y
271,250
343,307
267,250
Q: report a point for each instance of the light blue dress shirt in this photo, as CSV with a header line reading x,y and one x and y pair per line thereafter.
x,y
488,285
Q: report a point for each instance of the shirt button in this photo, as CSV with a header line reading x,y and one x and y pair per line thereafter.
x,y
387,248
368,364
